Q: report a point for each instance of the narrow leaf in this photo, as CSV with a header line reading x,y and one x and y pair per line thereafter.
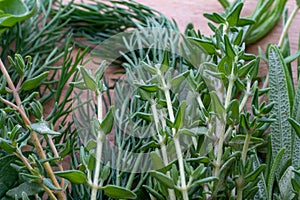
x,y
274,169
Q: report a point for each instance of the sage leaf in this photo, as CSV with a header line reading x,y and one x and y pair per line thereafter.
x,y
74,176
34,82
29,188
285,184
163,179
42,128
279,94
118,192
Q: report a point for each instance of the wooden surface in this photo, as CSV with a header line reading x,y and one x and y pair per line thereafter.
x,y
184,12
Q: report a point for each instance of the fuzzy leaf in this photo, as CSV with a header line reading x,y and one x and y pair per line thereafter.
x,y
279,94
30,189
285,184
42,128
74,176
118,192
34,82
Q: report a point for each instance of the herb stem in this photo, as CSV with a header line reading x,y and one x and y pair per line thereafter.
x,y
33,135
223,125
100,139
287,26
162,146
175,139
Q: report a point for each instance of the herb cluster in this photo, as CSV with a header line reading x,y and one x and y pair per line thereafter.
x,y
189,118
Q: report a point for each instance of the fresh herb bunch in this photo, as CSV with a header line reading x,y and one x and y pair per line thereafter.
x,y
187,120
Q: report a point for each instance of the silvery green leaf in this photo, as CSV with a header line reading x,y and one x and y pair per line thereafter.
x,y
280,130
43,128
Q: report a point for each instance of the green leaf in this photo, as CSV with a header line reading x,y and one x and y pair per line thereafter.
x,y
205,180
151,144
150,69
108,121
295,125
228,47
255,174
177,80
206,45
233,111
298,2
19,65
156,160
118,192
148,88
163,179
29,188
12,12
34,82
179,119
196,131
296,117
42,128
237,142
280,94
88,79
74,176
217,106
234,15
274,170
153,192
215,17
49,184
8,175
